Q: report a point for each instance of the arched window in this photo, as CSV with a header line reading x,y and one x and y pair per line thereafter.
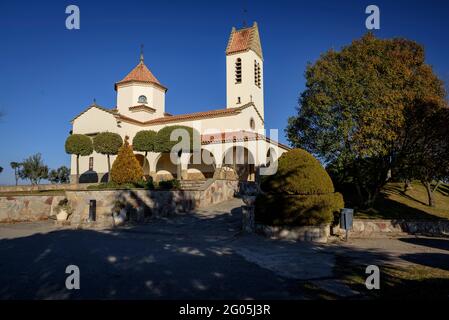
x,y
142,99
257,77
238,70
252,123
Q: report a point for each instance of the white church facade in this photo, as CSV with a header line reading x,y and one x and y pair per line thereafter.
x,y
233,139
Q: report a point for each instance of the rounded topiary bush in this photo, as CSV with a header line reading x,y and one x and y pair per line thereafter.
x,y
301,193
298,173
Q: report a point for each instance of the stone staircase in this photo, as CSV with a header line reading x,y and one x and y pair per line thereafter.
x,y
192,184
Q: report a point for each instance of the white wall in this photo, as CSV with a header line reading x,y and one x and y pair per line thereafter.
x,y
247,87
128,95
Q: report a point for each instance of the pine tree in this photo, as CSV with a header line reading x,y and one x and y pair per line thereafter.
x,y
126,167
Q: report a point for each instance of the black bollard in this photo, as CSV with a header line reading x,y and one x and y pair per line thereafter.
x,y
92,210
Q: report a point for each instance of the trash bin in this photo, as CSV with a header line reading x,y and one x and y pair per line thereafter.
x,y
346,218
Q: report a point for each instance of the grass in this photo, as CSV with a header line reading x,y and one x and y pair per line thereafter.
x,y
394,203
411,282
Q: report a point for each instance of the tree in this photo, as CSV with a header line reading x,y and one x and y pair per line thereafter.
x,y
126,167
424,155
34,169
60,175
79,145
352,111
108,143
145,141
16,166
165,144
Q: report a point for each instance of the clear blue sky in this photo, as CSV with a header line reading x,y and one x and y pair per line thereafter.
x,y
48,74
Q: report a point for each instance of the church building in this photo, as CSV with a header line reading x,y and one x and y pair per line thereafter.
x,y
233,139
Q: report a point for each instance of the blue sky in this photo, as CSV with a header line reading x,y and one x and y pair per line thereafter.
x,y
48,74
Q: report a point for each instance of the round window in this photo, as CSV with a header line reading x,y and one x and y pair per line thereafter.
x,y
142,99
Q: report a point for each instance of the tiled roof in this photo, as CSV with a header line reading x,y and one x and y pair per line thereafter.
x,y
189,116
142,107
245,39
94,105
237,136
140,73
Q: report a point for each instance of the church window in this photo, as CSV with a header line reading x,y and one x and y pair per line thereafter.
x,y
142,99
91,163
252,123
238,70
257,76
239,100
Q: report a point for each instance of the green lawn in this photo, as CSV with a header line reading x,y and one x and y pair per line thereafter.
x,y
394,203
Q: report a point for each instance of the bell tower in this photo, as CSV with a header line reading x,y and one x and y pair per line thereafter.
x,y
244,69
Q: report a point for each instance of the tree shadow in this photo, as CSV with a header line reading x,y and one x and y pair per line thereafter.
x,y
386,208
436,243
179,258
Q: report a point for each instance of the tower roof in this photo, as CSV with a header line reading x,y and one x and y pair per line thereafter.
x,y
245,39
141,73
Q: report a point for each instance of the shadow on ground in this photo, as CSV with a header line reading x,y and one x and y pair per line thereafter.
x,y
202,255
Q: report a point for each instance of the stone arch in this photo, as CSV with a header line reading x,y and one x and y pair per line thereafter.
x,y
165,169
203,170
239,161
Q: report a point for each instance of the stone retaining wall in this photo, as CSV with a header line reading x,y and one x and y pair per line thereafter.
x,y
154,203
146,203
44,187
27,208
371,228
310,233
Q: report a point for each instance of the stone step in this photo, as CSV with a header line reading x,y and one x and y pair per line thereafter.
x,y
191,184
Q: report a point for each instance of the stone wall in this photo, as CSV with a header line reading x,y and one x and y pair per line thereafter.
x,y
141,202
318,234
44,187
372,228
146,203
27,208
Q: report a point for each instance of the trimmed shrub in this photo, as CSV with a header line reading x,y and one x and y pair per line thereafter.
x,y
297,210
126,167
298,173
145,141
301,193
169,184
147,185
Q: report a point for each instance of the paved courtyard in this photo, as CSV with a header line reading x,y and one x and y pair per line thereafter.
x,y
202,255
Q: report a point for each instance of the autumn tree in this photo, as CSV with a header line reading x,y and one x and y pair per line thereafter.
x,y
126,167
352,110
108,143
79,145
425,149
